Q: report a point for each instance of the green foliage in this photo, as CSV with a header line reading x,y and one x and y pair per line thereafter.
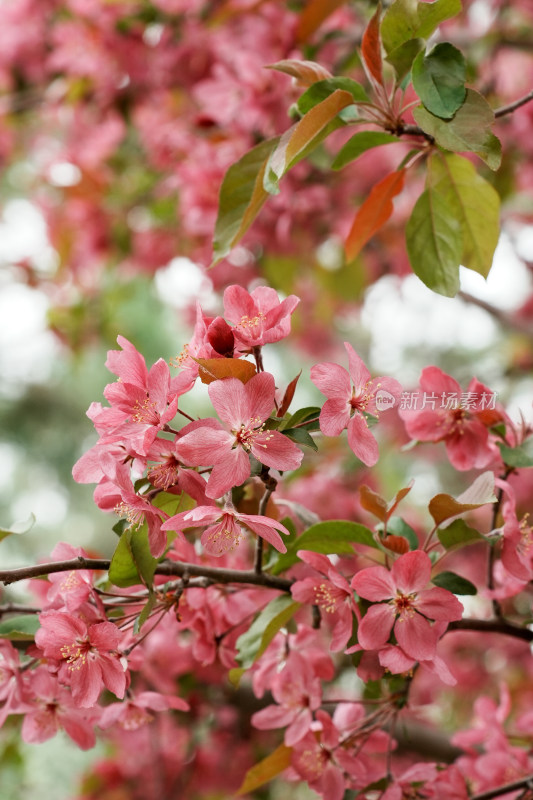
x,y
21,628
321,90
454,583
332,536
517,456
458,534
132,562
439,79
408,19
252,644
359,144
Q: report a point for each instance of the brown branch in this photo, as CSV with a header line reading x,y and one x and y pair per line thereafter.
x,y
492,626
501,112
170,568
502,316
522,783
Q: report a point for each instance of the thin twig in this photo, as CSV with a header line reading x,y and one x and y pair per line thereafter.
x,y
514,323
508,787
492,626
501,112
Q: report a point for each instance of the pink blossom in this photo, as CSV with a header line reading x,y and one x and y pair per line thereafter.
x,y
352,393
70,589
12,691
517,549
53,709
87,654
408,607
442,419
134,712
244,408
332,594
225,528
298,694
258,317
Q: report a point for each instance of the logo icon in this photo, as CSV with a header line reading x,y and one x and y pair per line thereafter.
x,y
384,400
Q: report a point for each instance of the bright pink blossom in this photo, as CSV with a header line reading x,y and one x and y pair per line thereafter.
x,y
225,528
352,393
258,317
402,603
330,591
87,654
244,408
459,419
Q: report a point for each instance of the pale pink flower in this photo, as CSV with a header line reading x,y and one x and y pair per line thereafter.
x,y
441,418
407,606
69,589
244,408
330,591
225,528
87,654
517,549
135,711
258,317
352,393
53,709
12,691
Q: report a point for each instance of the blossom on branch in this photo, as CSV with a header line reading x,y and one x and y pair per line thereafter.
x,y
258,317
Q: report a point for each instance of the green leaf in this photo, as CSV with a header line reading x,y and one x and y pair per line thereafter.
x,y
300,436
439,79
241,198
145,613
266,769
252,644
359,144
18,527
320,90
434,240
472,201
458,534
517,456
333,536
402,57
303,137
309,412
468,131
132,562
407,19
454,583
20,629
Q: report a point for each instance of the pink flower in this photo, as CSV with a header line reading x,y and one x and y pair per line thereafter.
x,y
347,404
258,318
87,655
12,693
443,419
408,607
225,528
53,710
517,549
69,589
244,408
298,694
332,594
134,712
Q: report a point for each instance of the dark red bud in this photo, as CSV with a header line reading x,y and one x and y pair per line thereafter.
x,y
220,337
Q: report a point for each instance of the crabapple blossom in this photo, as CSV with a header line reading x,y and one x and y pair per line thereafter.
x,y
352,394
225,528
87,655
401,603
258,317
244,408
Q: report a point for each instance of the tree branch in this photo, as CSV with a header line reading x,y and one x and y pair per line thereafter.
x,y
501,112
523,783
170,568
492,626
502,316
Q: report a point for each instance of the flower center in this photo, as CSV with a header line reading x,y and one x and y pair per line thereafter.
x,y
526,533
247,434
404,604
70,583
164,475
135,516
146,412
326,597
75,654
251,325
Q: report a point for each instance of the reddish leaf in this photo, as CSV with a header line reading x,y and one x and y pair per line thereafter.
x,y
374,212
373,502
214,369
314,15
371,47
397,544
304,72
267,769
287,397
445,507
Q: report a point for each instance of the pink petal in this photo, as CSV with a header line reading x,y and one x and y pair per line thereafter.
x,y
221,538
298,728
158,381
260,391
204,446
269,534
272,717
374,583
229,473
412,571
356,367
275,450
39,726
433,379
415,635
105,636
439,604
334,416
113,675
238,303
375,627
361,441
332,380
86,683
395,660
80,731
230,401
427,425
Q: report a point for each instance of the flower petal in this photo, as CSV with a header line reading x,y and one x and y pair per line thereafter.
x,y
375,627
374,583
229,473
332,380
334,416
275,450
412,571
230,401
361,441
415,635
